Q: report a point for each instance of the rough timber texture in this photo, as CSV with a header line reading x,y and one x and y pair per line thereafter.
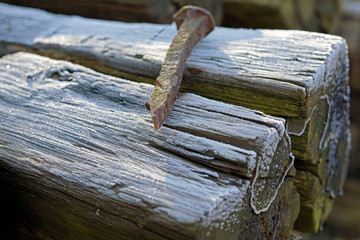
x,y
297,75
155,11
82,143
314,15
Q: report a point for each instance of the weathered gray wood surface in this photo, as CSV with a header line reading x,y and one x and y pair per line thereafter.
x,y
297,75
312,15
83,144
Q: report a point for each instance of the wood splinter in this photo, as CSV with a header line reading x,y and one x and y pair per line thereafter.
x,y
193,24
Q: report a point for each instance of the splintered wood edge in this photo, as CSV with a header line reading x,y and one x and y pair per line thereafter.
x,y
62,69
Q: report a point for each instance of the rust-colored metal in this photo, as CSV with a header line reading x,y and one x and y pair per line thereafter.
x,y
193,23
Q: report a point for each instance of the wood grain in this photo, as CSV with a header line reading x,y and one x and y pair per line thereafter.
x,y
296,75
83,141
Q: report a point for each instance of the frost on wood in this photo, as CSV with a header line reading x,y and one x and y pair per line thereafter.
x,y
296,75
71,126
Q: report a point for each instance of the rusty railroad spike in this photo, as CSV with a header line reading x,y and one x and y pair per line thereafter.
x,y
193,23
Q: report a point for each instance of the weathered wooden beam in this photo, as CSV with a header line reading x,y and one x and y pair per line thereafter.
x,y
81,151
297,75
314,15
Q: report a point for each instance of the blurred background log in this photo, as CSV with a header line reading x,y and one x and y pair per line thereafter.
x,y
343,222
313,15
155,11
349,28
271,14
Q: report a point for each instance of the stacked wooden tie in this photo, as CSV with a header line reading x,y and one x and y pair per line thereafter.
x,y
238,157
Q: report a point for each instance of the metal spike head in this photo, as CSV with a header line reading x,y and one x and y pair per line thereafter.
x,y
189,11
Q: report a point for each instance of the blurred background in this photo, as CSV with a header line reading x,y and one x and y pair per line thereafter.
x,y
339,17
